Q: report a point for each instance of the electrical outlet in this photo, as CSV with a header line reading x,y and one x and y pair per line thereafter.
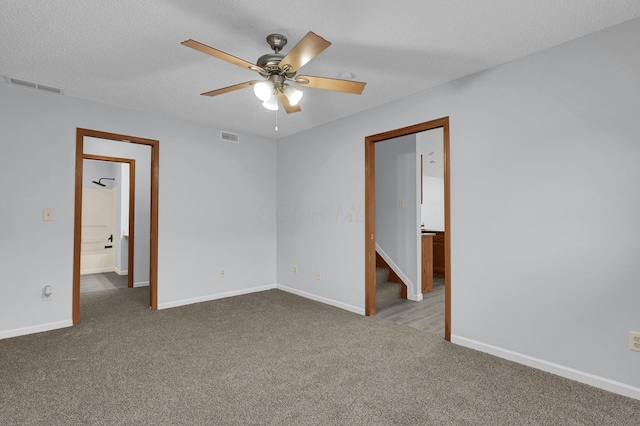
x,y
47,292
295,270
634,341
318,276
402,203
221,272
47,214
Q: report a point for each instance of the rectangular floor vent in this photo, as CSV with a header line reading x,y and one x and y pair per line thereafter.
x,y
230,137
34,85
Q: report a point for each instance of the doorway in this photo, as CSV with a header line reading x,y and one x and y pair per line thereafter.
x,y
81,134
370,218
115,240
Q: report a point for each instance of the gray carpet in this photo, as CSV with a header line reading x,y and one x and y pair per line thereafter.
x,y
273,358
102,281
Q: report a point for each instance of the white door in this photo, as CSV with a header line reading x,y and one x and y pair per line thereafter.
x,y
98,226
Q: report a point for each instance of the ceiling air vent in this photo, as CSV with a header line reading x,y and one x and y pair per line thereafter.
x,y
22,83
34,85
229,137
50,89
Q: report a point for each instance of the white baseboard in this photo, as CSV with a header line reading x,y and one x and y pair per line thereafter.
x,y
550,367
96,271
120,272
141,284
411,287
210,297
321,299
304,294
414,297
35,329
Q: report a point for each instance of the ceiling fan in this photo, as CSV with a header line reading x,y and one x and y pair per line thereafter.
x,y
280,70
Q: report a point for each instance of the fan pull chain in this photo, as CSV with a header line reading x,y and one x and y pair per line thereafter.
x,y
276,120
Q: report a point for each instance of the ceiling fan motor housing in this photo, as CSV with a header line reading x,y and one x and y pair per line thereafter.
x,y
270,61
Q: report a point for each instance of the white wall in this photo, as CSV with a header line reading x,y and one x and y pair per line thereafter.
x,y
142,155
320,179
431,146
545,165
432,209
122,219
397,226
211,196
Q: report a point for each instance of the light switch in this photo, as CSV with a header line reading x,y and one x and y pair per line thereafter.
x,y
47,214
402,203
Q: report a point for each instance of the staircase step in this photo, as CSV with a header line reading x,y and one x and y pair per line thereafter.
x,y
382,275
387,292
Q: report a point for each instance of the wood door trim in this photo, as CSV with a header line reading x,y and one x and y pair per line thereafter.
x,y
132,201
77,224
370,218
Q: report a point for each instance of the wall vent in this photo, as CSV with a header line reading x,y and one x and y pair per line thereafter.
x,y
33,85
230,137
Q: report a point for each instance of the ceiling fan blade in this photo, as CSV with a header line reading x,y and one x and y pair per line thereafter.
x,y
221,55
287,106
308,48
230,88
347,86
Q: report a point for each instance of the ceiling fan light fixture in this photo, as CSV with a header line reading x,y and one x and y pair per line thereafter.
x,y
271,103
263,90
277,69
294,95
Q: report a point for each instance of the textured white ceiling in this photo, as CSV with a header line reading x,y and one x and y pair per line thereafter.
x,y
128,52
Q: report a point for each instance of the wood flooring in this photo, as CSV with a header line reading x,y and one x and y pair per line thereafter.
x,y
102,281
426,315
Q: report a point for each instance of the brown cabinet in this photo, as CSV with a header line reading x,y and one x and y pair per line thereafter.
x,y
427,263
438,255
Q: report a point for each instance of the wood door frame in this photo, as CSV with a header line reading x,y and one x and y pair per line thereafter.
x,y
370,213
132,201
77,222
